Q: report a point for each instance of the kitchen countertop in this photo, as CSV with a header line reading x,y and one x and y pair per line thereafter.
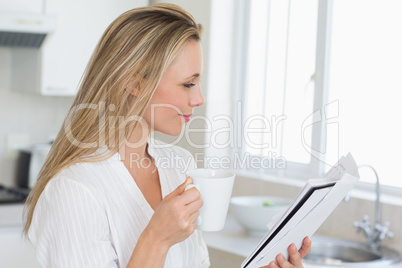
x,y
234,240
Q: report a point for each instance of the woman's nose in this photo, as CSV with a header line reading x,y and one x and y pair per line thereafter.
x,y
197,99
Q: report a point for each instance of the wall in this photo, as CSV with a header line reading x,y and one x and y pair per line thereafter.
x,y
35,116
20,113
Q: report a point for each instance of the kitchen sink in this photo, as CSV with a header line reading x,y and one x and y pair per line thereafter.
x,y
335,252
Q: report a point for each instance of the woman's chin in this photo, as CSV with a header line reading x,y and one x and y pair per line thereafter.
x,y
174,131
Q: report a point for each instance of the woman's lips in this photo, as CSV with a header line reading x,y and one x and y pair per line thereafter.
x,y
186,117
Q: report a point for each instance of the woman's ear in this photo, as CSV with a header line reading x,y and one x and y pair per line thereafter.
x,y
133,85
135,90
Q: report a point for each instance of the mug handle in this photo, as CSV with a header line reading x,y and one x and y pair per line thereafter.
x,y
199,220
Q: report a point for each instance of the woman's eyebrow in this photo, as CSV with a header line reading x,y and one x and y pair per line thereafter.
x,y
194,75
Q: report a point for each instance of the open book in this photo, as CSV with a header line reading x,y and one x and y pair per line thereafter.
x,y
314,203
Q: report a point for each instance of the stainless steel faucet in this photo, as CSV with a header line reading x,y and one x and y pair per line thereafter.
x,y
379,232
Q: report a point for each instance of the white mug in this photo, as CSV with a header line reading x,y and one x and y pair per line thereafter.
x,y
215,187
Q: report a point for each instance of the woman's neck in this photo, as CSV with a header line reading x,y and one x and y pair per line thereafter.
x,y
136,146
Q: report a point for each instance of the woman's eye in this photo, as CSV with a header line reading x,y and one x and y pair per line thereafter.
x,y
189,85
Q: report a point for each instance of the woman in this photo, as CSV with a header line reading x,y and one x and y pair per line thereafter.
x,y
103,197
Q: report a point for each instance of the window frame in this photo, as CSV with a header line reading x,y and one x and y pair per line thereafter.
x,y
316,166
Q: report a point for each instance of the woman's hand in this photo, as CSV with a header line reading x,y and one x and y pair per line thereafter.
x,y
295,257
173,221
175,218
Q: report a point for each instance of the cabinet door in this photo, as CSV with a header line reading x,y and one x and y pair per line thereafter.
x,y
16,251
80,24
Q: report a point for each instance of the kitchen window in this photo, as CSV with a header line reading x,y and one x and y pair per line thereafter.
x,y
322,79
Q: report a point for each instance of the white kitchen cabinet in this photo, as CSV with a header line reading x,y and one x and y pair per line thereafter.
x,y
15,250
56,68
30,6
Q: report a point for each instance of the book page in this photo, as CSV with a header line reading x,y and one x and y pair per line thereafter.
x,y
314,203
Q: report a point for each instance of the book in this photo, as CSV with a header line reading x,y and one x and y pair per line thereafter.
x,y
314,203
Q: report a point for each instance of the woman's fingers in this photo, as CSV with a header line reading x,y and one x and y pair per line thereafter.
x,y
272,264
189,196
283,263
194,206
180,189
194,216
294,256
306,247
177,213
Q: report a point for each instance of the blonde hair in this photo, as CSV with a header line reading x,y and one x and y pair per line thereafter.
x,y
135,50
